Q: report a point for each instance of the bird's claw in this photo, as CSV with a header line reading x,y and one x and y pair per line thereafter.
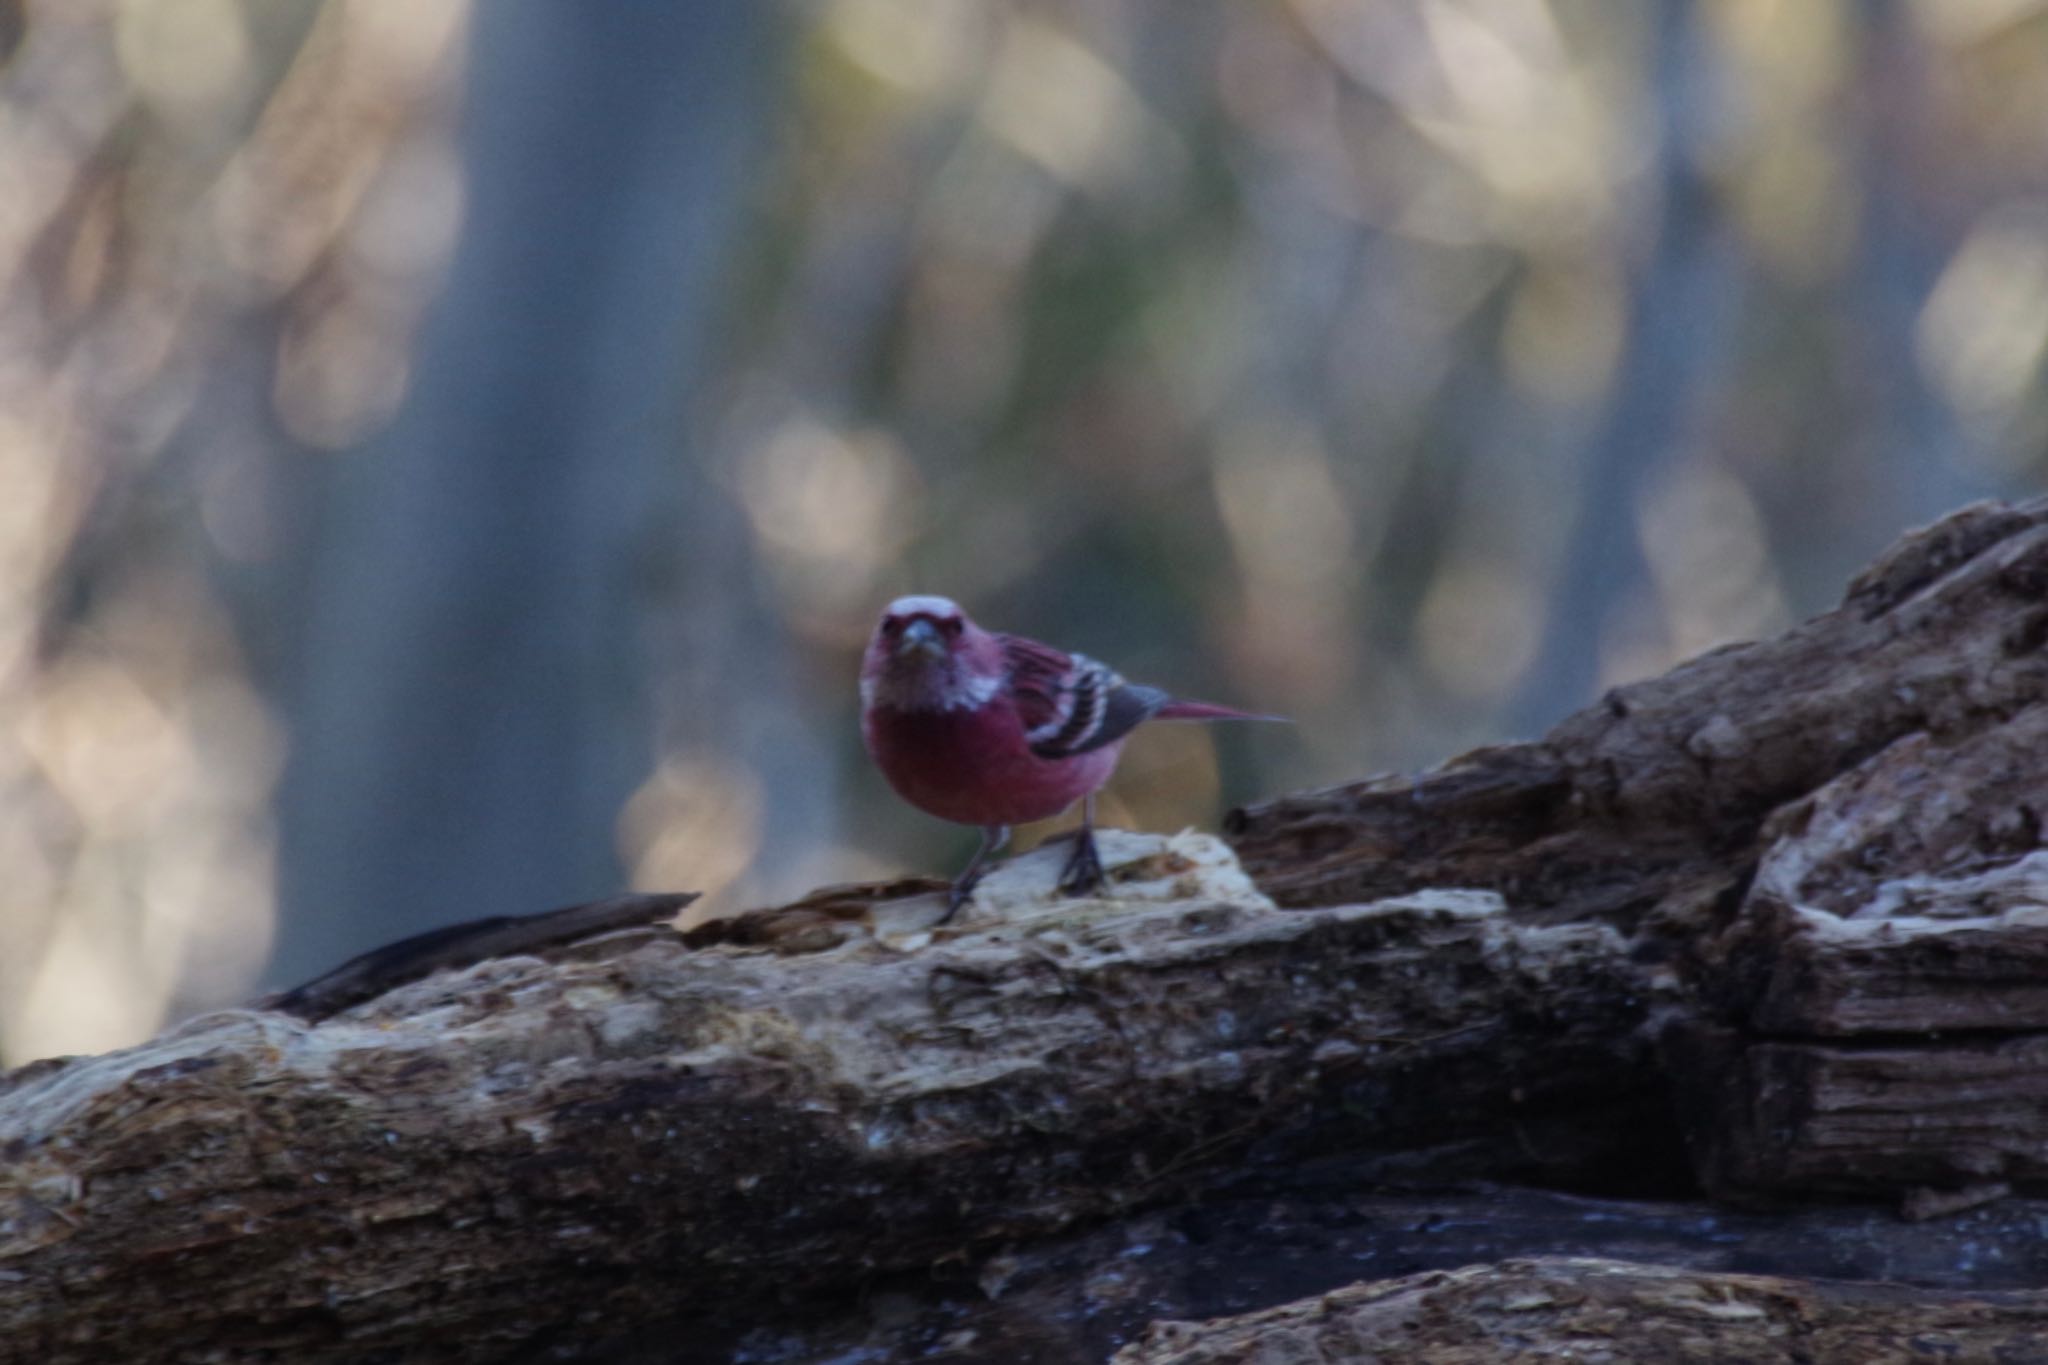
x,y
957,894
1083,874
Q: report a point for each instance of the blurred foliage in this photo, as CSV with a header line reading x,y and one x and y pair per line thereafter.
x,y
1411,367
1308,354
217,231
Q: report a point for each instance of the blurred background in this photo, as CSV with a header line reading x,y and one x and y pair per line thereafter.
x,y
451,454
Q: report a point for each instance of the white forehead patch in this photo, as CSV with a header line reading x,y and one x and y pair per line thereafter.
x,y
923,606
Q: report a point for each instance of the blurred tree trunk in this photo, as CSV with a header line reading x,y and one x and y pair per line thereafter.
x,y
473,699
1928,458
1682,310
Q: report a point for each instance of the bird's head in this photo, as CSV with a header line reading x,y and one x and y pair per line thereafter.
x,y
925,655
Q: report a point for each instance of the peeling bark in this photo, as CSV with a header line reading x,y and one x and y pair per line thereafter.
x,y
1772,924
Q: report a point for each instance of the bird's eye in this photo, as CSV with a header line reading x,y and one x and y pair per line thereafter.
x,y
951,625
892,626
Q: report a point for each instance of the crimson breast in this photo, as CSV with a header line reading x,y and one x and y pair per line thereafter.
x,y
972,765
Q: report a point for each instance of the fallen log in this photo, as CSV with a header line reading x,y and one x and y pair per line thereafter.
x,y
1613,1311
1835,839
1081,1296
1763,925
466,1159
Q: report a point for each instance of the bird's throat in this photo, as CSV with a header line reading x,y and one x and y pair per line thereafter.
x,y
929,685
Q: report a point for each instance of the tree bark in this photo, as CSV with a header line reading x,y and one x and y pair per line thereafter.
x,y
1761,926
1612,1310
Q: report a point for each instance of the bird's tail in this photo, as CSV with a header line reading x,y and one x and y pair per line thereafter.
x,y
1179,709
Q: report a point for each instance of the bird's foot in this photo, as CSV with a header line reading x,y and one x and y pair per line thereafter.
x,y
1083,874
957,894
993,837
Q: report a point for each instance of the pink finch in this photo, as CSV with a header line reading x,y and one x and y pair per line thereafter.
x,y
996,730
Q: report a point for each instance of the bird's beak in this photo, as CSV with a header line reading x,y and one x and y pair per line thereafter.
x,y
920,637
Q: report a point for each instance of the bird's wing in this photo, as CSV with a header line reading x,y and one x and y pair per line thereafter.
x,y
1070,703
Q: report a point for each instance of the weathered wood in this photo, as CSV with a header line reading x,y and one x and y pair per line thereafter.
x,y
1651,802
1800,1119
464,945
1835,837
455,1163
1300,1235
1907,895
1787,900
1596,1310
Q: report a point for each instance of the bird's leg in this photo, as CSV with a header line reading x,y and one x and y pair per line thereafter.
x,y
1083,872
993,837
